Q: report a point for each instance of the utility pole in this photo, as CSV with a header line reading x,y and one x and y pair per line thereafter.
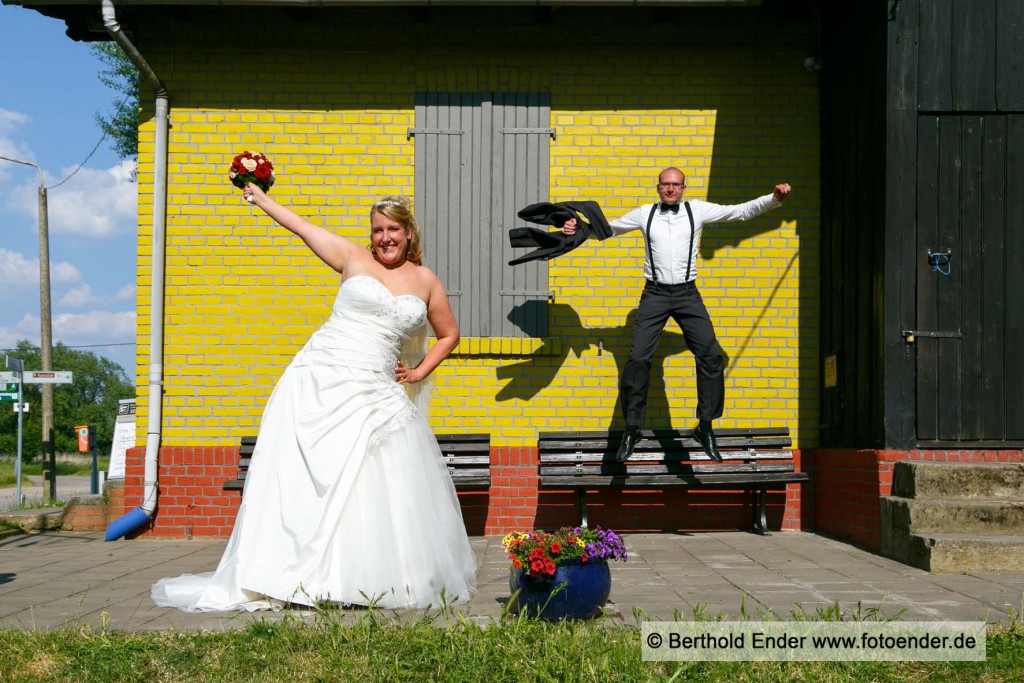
x,y
46,328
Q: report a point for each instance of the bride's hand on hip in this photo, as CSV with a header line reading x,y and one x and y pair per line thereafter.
x,y
404,375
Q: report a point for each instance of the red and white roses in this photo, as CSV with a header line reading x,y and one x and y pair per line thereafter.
x,y
252,167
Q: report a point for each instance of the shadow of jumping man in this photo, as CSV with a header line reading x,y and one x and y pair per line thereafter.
x,y
526,378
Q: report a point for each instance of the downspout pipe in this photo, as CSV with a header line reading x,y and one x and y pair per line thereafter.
x,y
144,513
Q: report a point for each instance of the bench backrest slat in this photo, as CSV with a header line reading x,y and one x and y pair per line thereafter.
x,y
722,481
606,445
466,456
673,457
482,437
465,448
620,468
467,461
664,434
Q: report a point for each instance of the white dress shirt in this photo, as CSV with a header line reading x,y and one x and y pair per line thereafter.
x,y
673,247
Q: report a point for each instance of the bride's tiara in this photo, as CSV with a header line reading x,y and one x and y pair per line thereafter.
x,y
390,202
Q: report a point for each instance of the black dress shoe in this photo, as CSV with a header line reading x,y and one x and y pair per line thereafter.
x,y
629,439
709,442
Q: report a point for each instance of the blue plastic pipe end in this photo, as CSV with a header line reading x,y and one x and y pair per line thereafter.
x,y
125,523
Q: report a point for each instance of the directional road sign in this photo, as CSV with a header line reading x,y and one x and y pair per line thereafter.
x,y
39,377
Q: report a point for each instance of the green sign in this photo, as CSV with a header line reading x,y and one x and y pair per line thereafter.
x,y
9,392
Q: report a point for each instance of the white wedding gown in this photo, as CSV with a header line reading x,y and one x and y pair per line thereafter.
x,y
347,497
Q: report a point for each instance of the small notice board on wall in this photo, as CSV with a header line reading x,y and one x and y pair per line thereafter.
x,y
124,437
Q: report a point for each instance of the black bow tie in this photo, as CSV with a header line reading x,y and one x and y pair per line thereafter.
x,y
665,206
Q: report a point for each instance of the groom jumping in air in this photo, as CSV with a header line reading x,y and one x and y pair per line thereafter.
x,y
671,230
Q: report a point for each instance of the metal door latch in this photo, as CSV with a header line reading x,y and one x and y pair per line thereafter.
x,y
910,335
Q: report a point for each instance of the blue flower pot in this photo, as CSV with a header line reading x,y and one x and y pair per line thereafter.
x,y
586,591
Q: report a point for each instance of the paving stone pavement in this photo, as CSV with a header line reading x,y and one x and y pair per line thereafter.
x,y
48,580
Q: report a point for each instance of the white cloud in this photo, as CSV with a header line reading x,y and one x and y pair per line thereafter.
x,y
78,296
89,331
94,327
82,295
94,203
23,329
10,122
97,203
80,329
17,269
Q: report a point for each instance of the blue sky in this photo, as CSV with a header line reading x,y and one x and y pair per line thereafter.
x,y
48,101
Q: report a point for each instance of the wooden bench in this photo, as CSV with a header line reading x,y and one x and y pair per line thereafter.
x,y
468,457
753,459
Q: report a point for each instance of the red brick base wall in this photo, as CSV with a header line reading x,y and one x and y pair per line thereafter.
x,y
848,486
85,513
192,501
95,513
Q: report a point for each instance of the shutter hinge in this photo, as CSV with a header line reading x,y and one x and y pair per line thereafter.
x,y
529,294
529,131
433,131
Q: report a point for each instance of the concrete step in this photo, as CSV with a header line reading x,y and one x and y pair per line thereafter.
x,y
36,519
984,517
958,481
957,553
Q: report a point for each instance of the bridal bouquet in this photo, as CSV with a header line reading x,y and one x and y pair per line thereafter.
x,y
540,552
252,167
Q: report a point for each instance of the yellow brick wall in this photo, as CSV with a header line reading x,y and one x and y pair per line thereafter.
x,y
243,295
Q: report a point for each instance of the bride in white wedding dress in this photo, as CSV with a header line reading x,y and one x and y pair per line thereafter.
x,y
347,498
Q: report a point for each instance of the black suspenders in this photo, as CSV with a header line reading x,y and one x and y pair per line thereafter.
x,y
650,252
693,230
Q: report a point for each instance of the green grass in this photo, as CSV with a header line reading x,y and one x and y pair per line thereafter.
x,y
375,647
79,466
7,475
38,505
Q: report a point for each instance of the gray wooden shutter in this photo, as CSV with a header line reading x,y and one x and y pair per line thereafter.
x,y
521,166
479,159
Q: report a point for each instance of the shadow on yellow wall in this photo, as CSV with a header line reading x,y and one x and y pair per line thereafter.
x,y
528,377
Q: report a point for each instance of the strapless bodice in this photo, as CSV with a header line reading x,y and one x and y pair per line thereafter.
x,y
366,328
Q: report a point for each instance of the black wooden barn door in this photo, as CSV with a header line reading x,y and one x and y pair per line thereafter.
x,y
969,337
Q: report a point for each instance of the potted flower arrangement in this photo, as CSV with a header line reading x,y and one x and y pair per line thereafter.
x,y
561,574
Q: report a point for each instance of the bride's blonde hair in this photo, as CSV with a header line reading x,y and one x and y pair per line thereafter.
x,y
398,209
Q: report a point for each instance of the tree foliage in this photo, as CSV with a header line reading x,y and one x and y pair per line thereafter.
x,y
90,400
120,75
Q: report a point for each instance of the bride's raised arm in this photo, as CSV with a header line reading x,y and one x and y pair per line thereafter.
x,y
334,250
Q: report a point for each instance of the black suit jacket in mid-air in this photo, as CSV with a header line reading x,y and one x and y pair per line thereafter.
x,y
589,219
